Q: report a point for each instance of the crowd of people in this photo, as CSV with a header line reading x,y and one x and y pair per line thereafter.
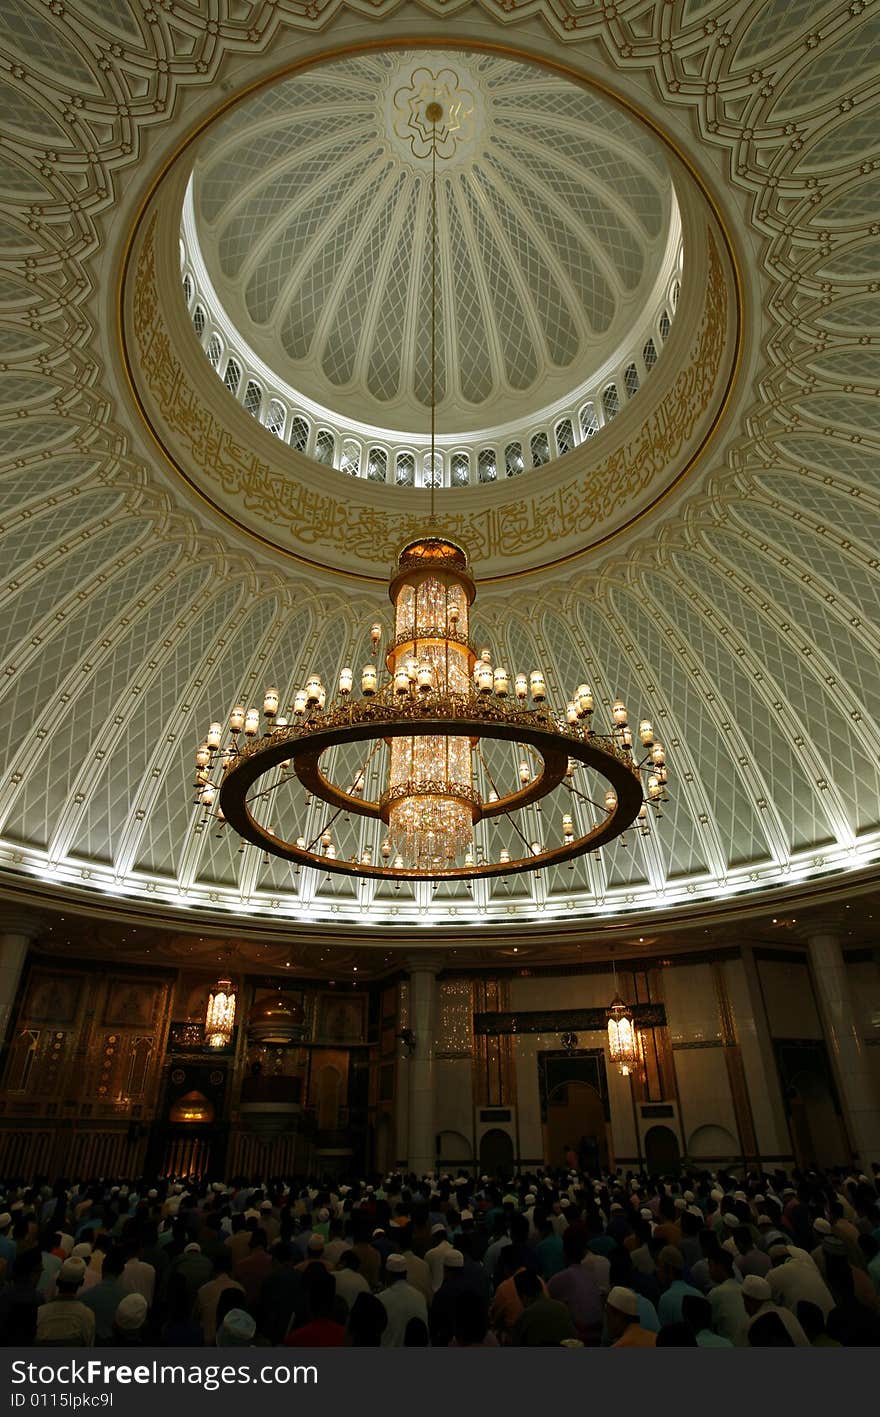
x,y
552,1258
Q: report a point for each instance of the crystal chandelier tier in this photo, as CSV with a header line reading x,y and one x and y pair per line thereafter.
x,y
433,714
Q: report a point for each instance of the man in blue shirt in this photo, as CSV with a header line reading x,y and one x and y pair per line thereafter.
x,y
670,1264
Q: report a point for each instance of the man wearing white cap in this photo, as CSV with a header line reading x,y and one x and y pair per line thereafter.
x,y
758,1299
792,1279
128,1323
622,1317
436,1256
65,1321
401,1302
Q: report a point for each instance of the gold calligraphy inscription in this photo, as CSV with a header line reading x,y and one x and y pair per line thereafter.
x,y
316,520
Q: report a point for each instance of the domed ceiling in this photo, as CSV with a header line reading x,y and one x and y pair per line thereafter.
x,y
555,224
745,618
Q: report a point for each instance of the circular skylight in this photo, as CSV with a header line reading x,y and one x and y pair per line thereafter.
x,y
307,259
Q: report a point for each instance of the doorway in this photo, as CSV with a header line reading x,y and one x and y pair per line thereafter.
x,y
576,1122
496,1153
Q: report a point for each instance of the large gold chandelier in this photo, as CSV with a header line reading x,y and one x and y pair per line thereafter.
x,y
433,712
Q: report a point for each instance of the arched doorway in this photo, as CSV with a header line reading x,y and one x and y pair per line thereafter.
x,y
576,1120
662,1152
712,1143
496,1153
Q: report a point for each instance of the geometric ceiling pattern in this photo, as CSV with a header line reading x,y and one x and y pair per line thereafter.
x,y
313,218
747,622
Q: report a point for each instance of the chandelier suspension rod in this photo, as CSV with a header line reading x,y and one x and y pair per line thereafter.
x,y
433,305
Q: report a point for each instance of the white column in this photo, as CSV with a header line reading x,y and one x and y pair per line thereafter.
x,y
420,1066
847,1050
17,930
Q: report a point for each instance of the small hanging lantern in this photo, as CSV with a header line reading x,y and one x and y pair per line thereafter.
x,y
622,1039
220,1014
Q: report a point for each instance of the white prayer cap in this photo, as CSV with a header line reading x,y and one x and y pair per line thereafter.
x,y
395,1264
764,1220
67,1243
267,1205
453,1259
564,1203
531,1198
625,1301
740,1196
754,1287
689,1196
5,1220
344,1190
238,1328
438,1229
695,1210
131,1313
73,1271
467,1215
680,1203
152,1194
378,1231
81,1251
821,1226
730,1220
615,1205
193,1248
646,1213
759,1200
716,1194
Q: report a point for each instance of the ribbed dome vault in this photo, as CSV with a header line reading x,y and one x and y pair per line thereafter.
x,y
313,217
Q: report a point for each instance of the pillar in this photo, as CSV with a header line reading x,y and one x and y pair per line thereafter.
x,y
17,930
420,1066
845,1046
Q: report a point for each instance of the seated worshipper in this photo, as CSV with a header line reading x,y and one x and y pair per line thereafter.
x,y
576,1288
441,1324
697,1312
670,1266
371,1263
768,1331
208,1295
833,1264
549,1248
129,1321
792,1279
181,1328
322,1330
812,1321
65,1322
195,1268
506,1304
622,1317
417,1272
105,1297
435,1257
749,1259
401,1301
20,1301
349,1280
544,1322
728,1310
758,1299
679,1335
252,1271
472,1323
623,1276
137,1276
367,1321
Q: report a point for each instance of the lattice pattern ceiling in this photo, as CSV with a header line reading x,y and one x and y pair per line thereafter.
x,y
749,622
313,212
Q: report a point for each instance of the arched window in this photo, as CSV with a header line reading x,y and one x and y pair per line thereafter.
x,y
350,461
187,288
486,465
564,436
325,447
405,470
589,420
299,433
649,354
377,465
513,460
460,469
631,380
433,476
664,325
214,351
232,376
610,402
540,449
253,397
276,414
676,292
199,321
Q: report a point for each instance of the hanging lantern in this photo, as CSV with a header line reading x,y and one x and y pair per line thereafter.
x,y
622,1039
220,1015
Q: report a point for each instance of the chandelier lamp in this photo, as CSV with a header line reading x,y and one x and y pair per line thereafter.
x,y
623,1038
424,728
220,1014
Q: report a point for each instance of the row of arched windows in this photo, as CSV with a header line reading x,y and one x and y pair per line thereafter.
x,y
406,467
